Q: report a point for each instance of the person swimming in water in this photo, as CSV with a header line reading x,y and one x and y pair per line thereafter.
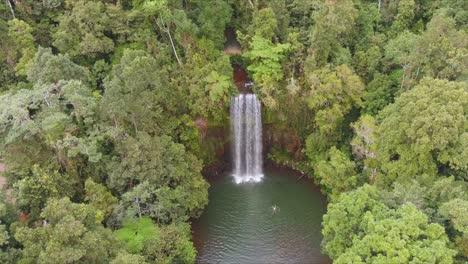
x,y
275,209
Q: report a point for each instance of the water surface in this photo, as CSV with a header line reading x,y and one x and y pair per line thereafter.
x,y
239,226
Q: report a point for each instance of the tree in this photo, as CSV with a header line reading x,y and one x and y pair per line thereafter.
x,y
21,33
158,244
49,68
454,9
379,93
172,246
367,62
9,251
404,17
136,94
137,233
333,25
83,31
159,178
205,83
333,93
344,217
99,197
400,50
336,173
70,233
126,258
404,236
360,228
424,132
171,21
364,145
444,57
212,17
46,126
456,212
218,86
266,58
34,190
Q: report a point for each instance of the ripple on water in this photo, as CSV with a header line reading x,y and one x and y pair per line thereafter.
x,y
239,226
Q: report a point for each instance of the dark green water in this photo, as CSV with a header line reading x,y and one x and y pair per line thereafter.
x,y
239,226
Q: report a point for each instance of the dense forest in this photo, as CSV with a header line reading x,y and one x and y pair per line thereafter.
x,y
106,105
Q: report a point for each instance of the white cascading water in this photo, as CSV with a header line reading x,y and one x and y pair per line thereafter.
x,y
246,121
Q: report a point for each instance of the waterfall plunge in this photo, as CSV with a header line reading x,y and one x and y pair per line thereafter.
x,y
246,121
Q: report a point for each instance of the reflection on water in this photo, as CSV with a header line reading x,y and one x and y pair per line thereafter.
x,y
239,226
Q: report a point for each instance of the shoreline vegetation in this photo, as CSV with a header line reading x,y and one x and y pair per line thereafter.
x,y
114,117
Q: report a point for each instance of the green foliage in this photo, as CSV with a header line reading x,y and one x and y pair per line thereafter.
x,y
359,228
136,94
212,17
99,197
332,95
444,57
364,141
456,211
166,179
49,68
379,93
424,132
82,30
136,233
9,252
264,24
404,17
70,233
266,58
125,126
218,86
400,50
333,25
172,246
21,33
45,125
126,258
34,190
165,244
336,173
344,217
207,83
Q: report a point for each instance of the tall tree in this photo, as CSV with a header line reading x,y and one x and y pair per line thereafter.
x,y
333,25
84,30
424,132
159,178
360,228
69,233
137,95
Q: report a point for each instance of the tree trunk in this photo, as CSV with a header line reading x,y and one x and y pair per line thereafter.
x,y
165,29
380,4
173,47
11,8
137,203
403,77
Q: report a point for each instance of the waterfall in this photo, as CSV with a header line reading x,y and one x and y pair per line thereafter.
x,y
246,121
